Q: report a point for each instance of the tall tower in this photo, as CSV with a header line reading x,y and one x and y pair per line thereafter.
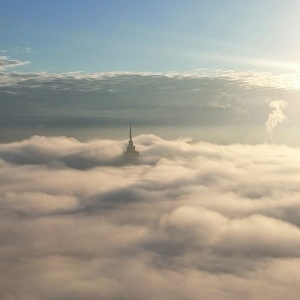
x,y
130,150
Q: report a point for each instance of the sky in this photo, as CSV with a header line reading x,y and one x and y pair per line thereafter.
x,y
209,210
202,69
156,36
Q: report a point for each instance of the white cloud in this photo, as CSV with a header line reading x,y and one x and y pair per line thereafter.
x,y
6,62
247,79
191,219
276,116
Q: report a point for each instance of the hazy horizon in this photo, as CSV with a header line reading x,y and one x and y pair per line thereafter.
x,y
222,107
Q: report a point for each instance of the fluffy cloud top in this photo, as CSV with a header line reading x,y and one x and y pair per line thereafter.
x,y
189,221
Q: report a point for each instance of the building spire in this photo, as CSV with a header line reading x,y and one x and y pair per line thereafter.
x,y
130,151
130,136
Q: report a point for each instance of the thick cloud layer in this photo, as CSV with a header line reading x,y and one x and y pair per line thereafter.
x,y
188,221
221,107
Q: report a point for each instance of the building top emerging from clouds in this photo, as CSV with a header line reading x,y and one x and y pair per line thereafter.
x,y
130,151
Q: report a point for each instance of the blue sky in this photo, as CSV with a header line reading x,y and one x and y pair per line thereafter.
x,y
100,36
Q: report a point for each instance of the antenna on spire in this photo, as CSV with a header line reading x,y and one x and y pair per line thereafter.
x,y
130,136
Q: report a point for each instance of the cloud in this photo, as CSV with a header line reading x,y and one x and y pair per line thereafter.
x,y
6,62
190,220
204,104
41,150
277,116
226,101
248,79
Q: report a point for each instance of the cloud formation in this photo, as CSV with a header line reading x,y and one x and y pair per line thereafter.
x,y
247,79
191,220
6,62
200,102
276,116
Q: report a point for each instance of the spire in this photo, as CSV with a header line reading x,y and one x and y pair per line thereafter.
x,y
130,137
130,150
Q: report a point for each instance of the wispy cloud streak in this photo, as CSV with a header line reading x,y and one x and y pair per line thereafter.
x,y
6,62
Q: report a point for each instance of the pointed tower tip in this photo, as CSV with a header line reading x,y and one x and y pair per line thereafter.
x,y
130,151
130,136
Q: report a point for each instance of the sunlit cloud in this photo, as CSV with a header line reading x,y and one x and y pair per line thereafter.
x,y
249,79
222,221
276,116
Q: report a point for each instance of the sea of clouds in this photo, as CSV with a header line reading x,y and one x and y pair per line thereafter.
x,y
188,221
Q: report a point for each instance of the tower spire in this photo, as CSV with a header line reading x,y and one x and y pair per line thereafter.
x,y
130,151
130,136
